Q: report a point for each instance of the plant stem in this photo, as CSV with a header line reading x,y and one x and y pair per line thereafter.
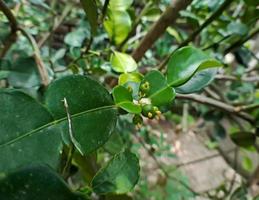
x,y
40,64
218,104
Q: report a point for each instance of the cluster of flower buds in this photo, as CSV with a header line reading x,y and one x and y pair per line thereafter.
x,y
143,89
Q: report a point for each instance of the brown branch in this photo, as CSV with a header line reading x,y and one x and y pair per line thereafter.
x,y
166,19
217,104
40,64
233,78
8,13
14,27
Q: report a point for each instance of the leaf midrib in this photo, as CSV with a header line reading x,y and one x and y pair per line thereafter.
x,y
53,123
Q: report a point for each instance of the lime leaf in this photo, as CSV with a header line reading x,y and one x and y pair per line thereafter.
x,y
124,100
117,25
200,80
35,182
185,62
91,12
130,77
91,107
122,62
159,91
119,176
121,5
24,136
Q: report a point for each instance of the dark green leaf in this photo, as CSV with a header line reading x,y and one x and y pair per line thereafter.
x,y
36,182
185,62
24,73
159,91
91,107
119,176
200,80
243,139
24,135
123,98
91,12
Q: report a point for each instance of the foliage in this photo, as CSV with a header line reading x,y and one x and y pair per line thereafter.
x,y
76,107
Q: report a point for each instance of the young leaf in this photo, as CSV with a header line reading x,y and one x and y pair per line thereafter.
x,y
91,107
123,99
185,62
119,176
159,91
200,80
117,25
122,62
91,12
36,182
120,4
130,77
24,136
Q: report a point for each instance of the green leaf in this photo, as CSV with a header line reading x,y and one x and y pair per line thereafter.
x,y
160,92
252,2
91,12
237,28
77,37
91,107
185,62
4,74
35,182
130,77
243,139
24,73
247,163
200,80
121,5
122,62
119,176
24,136
117,25
123,99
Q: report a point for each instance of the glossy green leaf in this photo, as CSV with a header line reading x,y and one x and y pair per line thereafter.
x,y
91,12
200,80
117,25
243,139
35,182
185,62
119,176
159,91
123,99
130,77
25,137
122,62
91,108
121,5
